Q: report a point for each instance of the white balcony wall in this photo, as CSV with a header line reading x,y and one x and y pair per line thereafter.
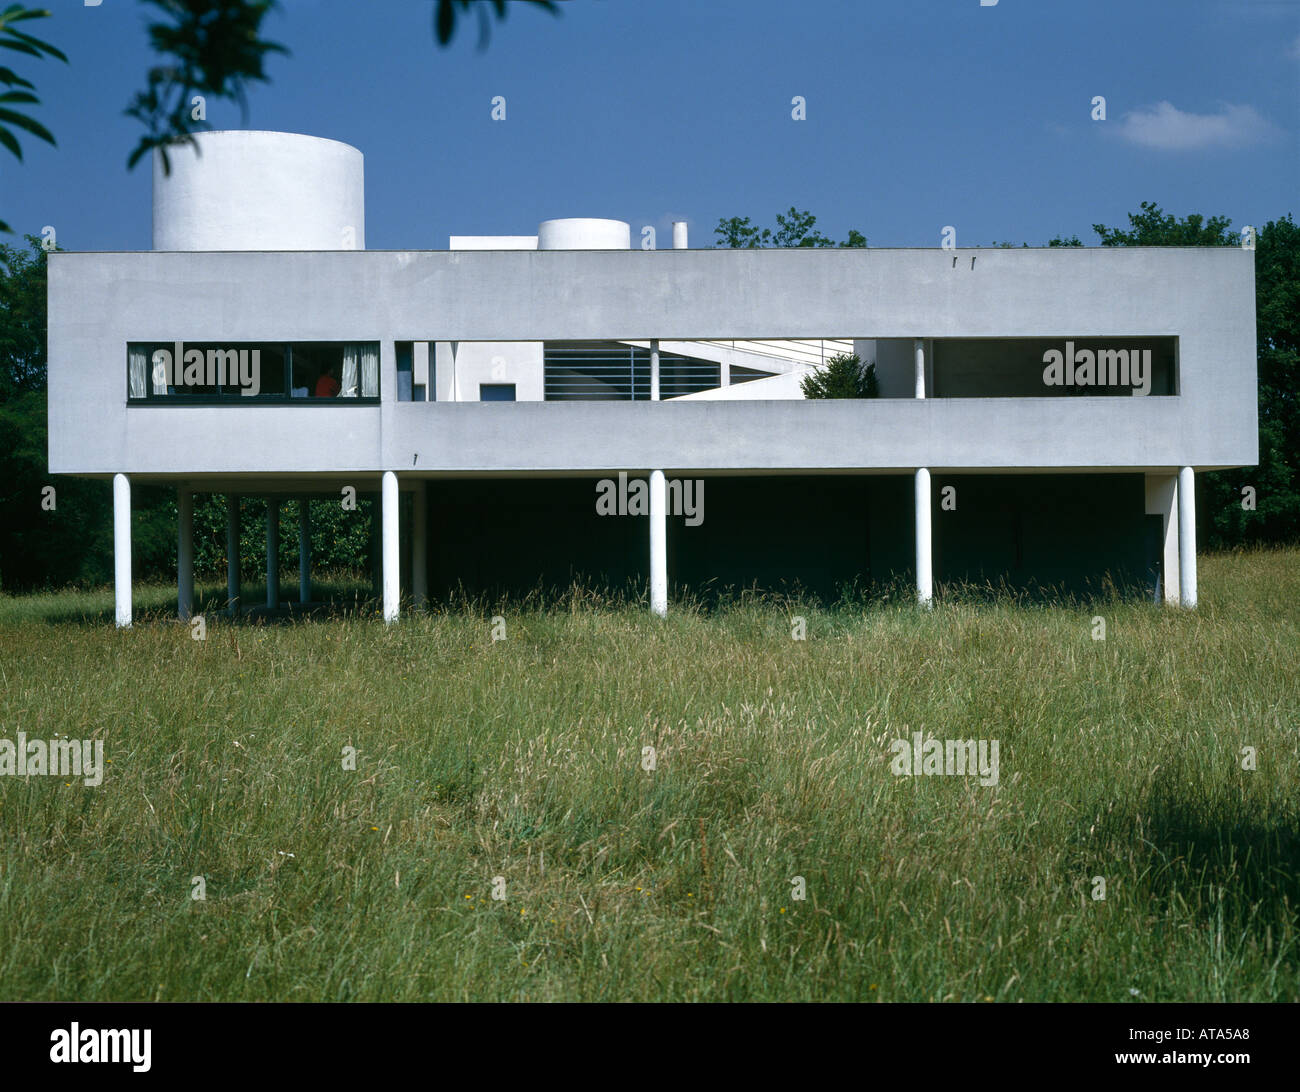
x,y
100,302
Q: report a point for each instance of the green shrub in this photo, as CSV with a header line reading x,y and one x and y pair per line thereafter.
x,y
842,376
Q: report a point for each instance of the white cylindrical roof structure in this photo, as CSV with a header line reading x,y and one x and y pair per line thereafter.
x,y
679,234
583,234
252,190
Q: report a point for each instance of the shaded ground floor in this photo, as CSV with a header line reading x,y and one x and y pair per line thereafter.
x,y
919,533
821,535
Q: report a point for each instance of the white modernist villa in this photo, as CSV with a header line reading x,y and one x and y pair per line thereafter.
x,y
1042,412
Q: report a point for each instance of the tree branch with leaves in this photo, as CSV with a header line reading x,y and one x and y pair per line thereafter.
x,y
215,52
19,91
796,228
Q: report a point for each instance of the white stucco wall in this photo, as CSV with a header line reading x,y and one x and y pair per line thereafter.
x,y
99,302
478,362
777,386
492,242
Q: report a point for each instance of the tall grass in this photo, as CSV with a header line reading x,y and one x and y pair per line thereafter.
x,y
524,759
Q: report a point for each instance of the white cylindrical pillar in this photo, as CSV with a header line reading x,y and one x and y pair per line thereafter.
x,y
391,559
918,351
658,543
924,555
420,546
304,550
122,549
654,371
232,553
272,552
679,234
184,554
1187,536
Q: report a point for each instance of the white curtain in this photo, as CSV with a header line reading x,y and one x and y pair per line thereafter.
x,y
137,372
351,355
159,376
370,370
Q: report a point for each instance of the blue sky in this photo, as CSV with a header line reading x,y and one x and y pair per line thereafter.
x,y
920,114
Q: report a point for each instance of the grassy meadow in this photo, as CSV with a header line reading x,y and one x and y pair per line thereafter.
x,y
524,759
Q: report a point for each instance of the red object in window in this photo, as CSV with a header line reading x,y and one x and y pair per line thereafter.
x,y
327,386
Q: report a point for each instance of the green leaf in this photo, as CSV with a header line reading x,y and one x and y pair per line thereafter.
x,y
16,12
44,47
24,122
10,141
22,47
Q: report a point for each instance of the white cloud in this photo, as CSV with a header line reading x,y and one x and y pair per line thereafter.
x,y
1166,127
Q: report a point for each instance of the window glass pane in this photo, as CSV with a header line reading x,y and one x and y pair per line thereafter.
x,y
253,370
318,368
405,371
247,371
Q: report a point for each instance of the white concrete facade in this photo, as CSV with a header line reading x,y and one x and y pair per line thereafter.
x,y
101,302
481,314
